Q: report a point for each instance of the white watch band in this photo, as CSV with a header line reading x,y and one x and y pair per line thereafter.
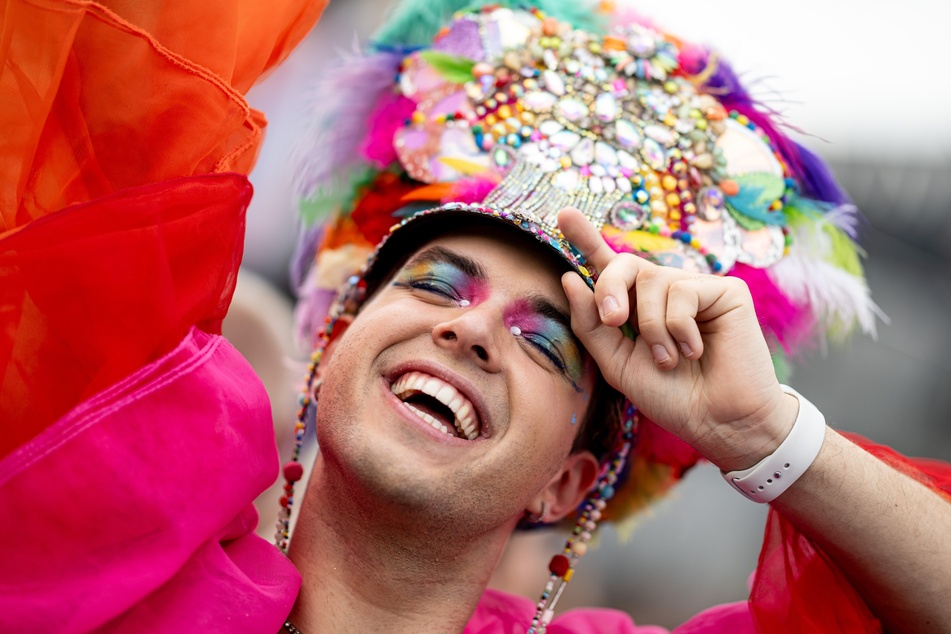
x,y
775,473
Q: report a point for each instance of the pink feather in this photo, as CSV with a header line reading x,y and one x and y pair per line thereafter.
x,y
789,322
390,114
471,190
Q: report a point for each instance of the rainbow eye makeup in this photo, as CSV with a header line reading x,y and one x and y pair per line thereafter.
x,y
435,272
544,328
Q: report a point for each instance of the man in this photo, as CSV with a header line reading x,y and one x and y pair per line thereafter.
x,y
659,147
405,522
130,541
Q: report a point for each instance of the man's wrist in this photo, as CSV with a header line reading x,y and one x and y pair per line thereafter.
x,y
743,449
775,473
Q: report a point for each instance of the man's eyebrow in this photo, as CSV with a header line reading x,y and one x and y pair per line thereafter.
x,y
543,306
441,254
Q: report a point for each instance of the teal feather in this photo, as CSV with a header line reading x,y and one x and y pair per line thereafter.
x,y
750,206
414,23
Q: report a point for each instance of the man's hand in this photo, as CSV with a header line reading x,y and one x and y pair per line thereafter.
x,y
699,367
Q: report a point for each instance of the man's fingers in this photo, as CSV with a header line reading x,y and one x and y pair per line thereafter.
x,y
609,348
583,236
652,323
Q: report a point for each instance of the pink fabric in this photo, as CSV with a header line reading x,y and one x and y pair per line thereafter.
x,y
131,513
503,613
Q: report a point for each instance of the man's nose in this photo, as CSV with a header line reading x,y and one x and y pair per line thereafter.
x,y
471,334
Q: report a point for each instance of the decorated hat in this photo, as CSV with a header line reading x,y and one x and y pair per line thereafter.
x,y
508,112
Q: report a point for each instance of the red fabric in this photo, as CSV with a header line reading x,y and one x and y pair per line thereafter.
x,y
798,589
95,291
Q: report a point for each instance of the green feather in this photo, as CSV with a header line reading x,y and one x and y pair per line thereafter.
x,y
843,252
452,68
414,23
337,198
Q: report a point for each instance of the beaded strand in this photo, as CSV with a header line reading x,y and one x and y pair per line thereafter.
x,y
562,564
293,469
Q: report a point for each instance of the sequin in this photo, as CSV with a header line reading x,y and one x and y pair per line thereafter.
x,y
605,107
654,154
627,161
565,140
583,154
554,82
710,203
550,127
641,44
627,134
539,101
627,215
572,109
660,134
605,154
567,180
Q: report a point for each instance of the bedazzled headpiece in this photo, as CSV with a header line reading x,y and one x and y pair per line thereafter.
x,y
510,114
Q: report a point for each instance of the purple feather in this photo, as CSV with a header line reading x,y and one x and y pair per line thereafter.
x,y
307,240
343,99
812,173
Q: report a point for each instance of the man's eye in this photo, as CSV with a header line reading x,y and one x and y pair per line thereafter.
x,y
548,349
432,285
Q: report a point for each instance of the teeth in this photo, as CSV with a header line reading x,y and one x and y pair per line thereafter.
x,y
446,394
429,419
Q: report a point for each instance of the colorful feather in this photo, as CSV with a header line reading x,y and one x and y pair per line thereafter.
x,y
790,322
390,114
415,23
343,100
823,270
471,189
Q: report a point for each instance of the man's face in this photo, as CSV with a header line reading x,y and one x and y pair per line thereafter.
x,y
457,392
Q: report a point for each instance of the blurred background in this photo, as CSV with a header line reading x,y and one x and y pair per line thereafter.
x,y
863,82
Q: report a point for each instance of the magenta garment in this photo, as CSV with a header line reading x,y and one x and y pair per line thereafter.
x,y
503,613
132,512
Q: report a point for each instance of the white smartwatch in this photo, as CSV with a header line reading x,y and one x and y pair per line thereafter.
x,y
771,476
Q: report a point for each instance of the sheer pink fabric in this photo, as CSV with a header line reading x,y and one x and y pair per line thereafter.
x,y
132,512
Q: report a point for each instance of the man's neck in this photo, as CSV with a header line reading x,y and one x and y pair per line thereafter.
x,y
366,571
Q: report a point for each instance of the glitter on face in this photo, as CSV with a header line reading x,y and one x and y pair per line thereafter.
x,y
433,272
574,419
538,323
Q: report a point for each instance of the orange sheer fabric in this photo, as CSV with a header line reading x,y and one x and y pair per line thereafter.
x,y
97,97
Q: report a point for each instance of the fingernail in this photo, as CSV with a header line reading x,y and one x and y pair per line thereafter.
x,y
685,349
660,354
608,306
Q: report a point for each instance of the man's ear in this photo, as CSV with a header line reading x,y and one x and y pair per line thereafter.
x,y
568,488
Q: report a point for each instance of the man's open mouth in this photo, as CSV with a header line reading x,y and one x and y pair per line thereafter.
x,y
438,403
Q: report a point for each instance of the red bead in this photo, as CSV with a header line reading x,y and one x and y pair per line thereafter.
x,y
284,501
559,565
293,471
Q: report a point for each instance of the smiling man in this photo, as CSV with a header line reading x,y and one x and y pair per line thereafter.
x,y
449,409
468,381
617,243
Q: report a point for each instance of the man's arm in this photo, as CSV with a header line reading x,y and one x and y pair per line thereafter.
x,y
889,534
701,369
